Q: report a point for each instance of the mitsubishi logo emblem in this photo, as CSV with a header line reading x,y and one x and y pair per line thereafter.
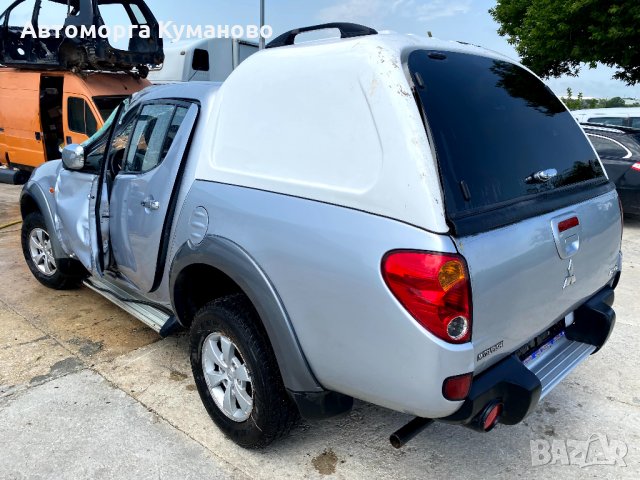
x,y
571,277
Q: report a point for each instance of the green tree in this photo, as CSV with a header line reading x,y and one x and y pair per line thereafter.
x,y
554,37
573,103
615,102
592,103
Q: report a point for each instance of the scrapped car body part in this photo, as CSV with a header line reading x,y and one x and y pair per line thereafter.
x,y
24,43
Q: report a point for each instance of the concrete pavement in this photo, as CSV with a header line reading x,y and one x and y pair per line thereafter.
x,y
86,391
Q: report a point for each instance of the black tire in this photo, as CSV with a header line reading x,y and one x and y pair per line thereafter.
x,y
61,278
273,412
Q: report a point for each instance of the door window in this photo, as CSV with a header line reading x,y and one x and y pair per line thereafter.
x,y
80,117
120,140
200,60
152,136
178,117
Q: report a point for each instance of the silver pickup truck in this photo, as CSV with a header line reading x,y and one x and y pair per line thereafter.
x,y
415,223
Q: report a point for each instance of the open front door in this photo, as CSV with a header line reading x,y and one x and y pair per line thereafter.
x,y
76,197
82,216
144,192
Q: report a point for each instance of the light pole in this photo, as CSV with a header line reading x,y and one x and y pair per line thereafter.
x,y
261,24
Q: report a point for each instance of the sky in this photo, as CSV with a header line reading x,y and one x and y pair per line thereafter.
x,y
465,20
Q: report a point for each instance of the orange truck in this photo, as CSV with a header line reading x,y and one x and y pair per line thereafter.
x,y
42,111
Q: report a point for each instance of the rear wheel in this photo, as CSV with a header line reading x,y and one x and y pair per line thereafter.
x,y
37,250
237,375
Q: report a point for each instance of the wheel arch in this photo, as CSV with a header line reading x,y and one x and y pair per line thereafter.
x,y
28,205
33,200
218,267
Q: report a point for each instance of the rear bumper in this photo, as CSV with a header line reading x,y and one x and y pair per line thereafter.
x,y
518,387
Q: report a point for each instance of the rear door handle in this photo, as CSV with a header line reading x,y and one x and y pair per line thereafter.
x,y
69,140
151,204
38,136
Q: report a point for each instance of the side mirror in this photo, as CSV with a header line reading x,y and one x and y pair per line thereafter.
x,y
73,157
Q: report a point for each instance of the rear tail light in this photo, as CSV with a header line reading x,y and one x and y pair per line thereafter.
x,y
457,388
434,288
636,166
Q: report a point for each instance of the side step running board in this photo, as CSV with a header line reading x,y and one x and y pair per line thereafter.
x,y
154,318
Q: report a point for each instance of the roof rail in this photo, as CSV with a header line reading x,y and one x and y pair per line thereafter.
x,y
347,30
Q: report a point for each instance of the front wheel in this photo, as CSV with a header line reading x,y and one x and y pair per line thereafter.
x,y
237,375
36,247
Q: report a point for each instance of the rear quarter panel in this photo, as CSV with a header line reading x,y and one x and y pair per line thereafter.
x,y
324,262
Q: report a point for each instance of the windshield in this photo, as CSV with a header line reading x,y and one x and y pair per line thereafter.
x,y
107,125
493,126
106,105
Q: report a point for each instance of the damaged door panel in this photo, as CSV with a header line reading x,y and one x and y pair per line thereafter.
x,y
24,43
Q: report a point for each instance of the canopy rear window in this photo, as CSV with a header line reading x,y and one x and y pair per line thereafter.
x,y
493,126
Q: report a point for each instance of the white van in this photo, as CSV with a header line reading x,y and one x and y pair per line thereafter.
x,y
621,117
210,60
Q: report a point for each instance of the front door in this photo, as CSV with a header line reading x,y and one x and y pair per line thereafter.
x,y
144,191
82,225
76,194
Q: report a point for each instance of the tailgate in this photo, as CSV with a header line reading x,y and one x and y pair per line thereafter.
x,y
528,276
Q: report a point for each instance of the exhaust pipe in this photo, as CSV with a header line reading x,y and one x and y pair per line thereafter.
x,y
405,434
